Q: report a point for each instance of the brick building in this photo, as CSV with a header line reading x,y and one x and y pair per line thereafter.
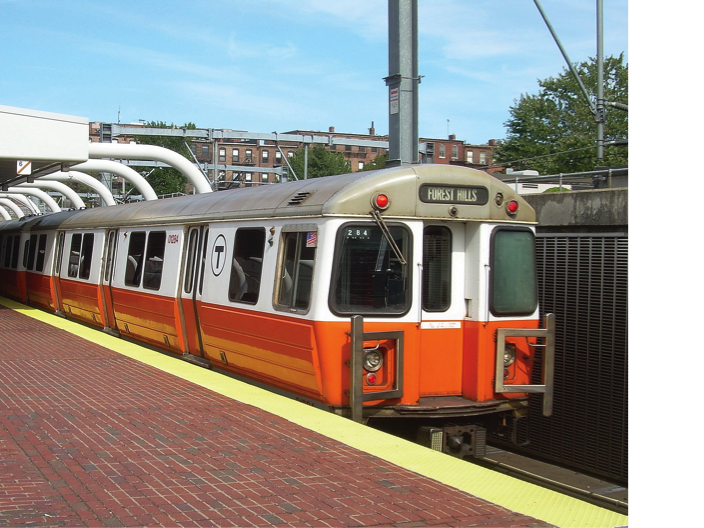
x,y
236,161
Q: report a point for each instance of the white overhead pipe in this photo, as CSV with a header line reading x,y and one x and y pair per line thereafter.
x,y
114,167
13,206
4,213
58,187
152,152
33,209
85,179
44,197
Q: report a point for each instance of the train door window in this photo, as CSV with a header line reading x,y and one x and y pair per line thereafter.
x,y
191,261
108,258
370,274
25,254
75,255
296,270
41,253
86,256
2,248
202,262
437,260
135,256
246,273
513,285
154,260
59,254
15,252
32,253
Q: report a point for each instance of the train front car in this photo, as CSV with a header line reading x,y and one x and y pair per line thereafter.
x,y
436,283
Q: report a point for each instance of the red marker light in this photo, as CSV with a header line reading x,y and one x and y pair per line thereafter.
x,y
512,207
371,379
381,201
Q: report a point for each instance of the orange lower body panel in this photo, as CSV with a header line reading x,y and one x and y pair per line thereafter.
x,y
147,317
80,300
479,367
39,291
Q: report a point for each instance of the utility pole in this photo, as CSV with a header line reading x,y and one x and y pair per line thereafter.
x,y
600,79
403,82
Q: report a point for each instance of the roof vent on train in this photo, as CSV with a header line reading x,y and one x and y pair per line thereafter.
x,y
299,197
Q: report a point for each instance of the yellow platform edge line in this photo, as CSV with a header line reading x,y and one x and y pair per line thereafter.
x,y
513,494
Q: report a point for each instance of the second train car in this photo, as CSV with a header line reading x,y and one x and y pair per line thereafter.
x,y
407,292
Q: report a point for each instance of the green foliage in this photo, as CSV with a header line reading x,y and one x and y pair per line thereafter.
x,y
165,180
555,131
377,163
321,162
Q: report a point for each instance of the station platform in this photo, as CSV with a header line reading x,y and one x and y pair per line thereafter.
x,y
98,431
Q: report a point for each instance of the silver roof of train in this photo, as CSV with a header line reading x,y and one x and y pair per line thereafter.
x,y
343,195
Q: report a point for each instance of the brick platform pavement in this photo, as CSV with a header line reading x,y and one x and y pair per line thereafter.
x,y
91,438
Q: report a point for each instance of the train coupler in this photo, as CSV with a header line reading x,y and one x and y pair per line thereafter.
x,y
459,441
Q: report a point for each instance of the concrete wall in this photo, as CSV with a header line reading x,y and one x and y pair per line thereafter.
x,y
583,209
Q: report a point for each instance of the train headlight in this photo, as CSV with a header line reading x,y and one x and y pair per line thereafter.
x,y
372,360
509,355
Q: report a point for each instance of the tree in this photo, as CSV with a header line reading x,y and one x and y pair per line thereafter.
x,y
166,180
555,131
321,162
379,162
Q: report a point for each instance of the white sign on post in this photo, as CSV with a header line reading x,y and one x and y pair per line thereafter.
x,y
393,100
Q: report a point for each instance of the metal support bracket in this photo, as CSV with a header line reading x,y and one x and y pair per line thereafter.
x,y
357,394
548,333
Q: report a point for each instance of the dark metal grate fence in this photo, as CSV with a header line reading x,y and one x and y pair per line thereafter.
x,y
583,279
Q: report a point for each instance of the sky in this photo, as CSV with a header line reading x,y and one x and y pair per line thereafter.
x,y
281,65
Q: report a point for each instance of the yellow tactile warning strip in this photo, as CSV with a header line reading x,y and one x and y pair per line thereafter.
x,y
502,490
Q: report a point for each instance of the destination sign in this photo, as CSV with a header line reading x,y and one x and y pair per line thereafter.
x,y
454,194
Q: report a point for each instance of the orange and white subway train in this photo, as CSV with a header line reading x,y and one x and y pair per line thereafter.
x,y
408,292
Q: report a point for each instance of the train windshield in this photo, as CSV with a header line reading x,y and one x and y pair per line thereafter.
x,y
369,277
514,289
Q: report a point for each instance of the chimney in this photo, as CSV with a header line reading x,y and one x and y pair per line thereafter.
x,y
331,130
452,137
492,142
372,130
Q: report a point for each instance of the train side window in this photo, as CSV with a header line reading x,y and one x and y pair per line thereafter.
x,y
246,272
368,276
155,260
514,284
437,268
86,256
41,253
135,255
2,249
75,255
295,274
31,256
7,251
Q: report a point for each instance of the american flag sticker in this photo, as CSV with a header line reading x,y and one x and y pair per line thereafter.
x,y
312,240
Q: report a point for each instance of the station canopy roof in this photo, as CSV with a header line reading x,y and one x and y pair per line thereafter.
x,y
34,143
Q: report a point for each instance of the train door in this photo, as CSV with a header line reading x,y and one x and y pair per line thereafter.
x,y
55,282
106,283
442,309
192,287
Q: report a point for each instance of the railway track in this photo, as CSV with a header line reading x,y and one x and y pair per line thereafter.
x,y
569,482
